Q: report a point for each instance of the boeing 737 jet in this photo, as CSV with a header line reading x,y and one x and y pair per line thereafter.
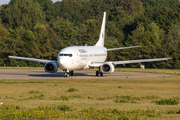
x,y
85,57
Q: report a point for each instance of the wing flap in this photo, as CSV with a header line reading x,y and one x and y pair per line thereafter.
x,y
31,59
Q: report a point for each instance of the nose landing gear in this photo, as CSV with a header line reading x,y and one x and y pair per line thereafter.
x,y
67,73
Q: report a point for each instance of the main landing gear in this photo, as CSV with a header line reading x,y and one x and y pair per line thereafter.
x,y
67,73
99,73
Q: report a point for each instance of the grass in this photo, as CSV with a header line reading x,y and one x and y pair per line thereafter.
x,y
64,98
67,112
91,98
34,97
167,102
72,90
101,98
119,87
34,92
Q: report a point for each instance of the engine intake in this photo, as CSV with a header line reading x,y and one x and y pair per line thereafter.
x,y
51,67
107,68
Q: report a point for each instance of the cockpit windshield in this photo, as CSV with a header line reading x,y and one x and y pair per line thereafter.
x,y
70,55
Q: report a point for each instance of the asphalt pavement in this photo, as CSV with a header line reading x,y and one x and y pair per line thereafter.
x,y
80,74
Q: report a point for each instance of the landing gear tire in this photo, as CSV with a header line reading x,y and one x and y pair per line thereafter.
x,y
101,73
97,73
72,73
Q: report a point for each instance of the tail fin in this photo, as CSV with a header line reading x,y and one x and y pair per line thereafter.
x,y
100,42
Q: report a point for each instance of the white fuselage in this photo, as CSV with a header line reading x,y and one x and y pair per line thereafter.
x,y
80,57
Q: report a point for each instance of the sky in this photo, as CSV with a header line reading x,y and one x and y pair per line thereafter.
x,y
7,1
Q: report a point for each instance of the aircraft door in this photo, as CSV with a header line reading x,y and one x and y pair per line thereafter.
x,y
75,59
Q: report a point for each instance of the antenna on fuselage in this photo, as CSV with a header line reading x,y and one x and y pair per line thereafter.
x,y
100,42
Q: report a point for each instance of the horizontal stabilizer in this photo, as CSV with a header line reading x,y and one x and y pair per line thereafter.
x,y
121,48
31,59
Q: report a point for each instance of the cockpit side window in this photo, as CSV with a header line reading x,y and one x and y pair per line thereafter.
x,y
70,55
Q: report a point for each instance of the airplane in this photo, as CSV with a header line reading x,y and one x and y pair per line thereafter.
x,y
85,57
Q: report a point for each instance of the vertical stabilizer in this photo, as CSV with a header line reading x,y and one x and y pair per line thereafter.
x,y
100,42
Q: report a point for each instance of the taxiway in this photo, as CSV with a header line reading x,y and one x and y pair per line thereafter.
x,y
83,74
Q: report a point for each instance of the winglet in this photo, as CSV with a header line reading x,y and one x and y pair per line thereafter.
x,y
100,42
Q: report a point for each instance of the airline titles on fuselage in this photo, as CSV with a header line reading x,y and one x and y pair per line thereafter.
x,y
83,51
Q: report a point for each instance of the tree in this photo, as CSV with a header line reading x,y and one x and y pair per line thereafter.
x,y
111,42
163,13
132,6
22,13
4,46
55,41
172,45
69,9
160,3
64,29
88,32
113,31
47,7
153,24
150,39
135,40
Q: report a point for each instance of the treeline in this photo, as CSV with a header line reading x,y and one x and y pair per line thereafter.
x,y
41,28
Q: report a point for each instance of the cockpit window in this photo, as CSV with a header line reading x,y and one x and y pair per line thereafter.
x,y
70,55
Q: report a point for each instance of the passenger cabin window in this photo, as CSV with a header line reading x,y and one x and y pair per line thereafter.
x,y
70,55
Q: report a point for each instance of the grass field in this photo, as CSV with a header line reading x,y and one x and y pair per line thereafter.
x,y
92,98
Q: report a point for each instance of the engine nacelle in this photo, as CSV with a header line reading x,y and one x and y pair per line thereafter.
x,y
107,68
51,67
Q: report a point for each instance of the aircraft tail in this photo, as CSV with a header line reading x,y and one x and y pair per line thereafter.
x,y
100,42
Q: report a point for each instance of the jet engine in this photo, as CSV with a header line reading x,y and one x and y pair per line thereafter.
x,y
107,68
51,67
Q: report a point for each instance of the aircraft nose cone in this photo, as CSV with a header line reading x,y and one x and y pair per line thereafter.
x,y
62,63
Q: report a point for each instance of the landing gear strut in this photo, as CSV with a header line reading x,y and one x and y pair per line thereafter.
x,y
67,73
99,72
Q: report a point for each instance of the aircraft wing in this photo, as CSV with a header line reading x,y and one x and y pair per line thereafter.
x,y
138,61
97,64
31,59
121,48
